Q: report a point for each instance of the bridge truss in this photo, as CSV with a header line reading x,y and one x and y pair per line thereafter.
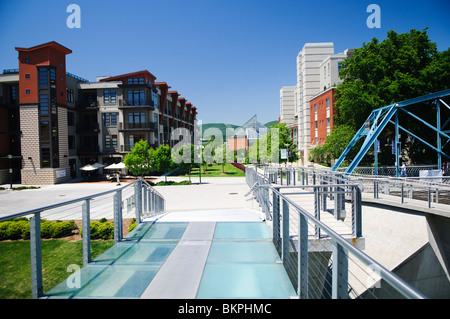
x,y
378,120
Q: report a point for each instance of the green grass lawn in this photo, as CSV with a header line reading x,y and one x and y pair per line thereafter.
x,y
216,170
57,255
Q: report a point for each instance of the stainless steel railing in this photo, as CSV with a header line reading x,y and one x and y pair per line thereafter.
x,y
320,262
136,199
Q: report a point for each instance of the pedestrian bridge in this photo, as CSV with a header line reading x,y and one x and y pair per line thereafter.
x,y
286,241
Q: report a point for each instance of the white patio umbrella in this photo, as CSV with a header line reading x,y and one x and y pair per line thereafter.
x,y
112,166
120,165
88,167
98,165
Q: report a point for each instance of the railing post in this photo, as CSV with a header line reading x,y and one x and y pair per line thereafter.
x,y
356,212
144,205
276,219
86,212
118,231
302,284
285,237
317,210
37,289
340,272
138,201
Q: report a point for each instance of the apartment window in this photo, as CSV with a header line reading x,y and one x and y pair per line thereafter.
x,y
27,61
105,96
136,81
13,94
155,99
44,130
27,76
136,119
328,122
27,92
136,97
44,103
324,71
328,104
339,66
111,141
112,96
70,118
315,108
109,96
45,157
110,119
70,95
52,78
43,78
71,142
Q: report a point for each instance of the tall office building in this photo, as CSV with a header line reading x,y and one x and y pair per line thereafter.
x,y
54,122
317,71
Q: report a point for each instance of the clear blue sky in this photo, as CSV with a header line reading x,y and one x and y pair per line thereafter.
x,y
229,58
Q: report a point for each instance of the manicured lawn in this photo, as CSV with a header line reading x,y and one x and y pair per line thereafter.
x,y
216,170
57,255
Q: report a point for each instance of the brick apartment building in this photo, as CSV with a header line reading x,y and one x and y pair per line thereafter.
x,y
53,122
322,111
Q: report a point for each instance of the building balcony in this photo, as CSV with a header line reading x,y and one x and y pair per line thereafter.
x,y
88,150
88,128
134,104
87,105
134,127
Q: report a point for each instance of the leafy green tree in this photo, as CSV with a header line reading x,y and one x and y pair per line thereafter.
x,y
139,160
335,143
163,159
401,67
280,134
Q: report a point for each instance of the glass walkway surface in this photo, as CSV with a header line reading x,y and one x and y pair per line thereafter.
x,y
185,260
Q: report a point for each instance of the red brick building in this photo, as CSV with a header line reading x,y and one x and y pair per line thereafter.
x,y
321,115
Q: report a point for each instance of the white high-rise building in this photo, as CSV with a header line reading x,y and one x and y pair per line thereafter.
x,y
317,70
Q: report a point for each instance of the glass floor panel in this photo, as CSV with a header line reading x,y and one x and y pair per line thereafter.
x,y
155,231
242,251
154,252
245,280
105,281
242,230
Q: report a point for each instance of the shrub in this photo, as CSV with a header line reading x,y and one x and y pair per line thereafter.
x,y
132,225
102,229
19,228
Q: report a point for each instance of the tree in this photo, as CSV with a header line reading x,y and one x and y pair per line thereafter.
x,y
139,160
163,159
280,134
335,143
401,67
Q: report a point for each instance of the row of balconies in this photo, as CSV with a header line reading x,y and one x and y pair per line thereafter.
x,y
127,104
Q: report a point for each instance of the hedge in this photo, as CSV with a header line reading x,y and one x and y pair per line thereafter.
x,y
19,228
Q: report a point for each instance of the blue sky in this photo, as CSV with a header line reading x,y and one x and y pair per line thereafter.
x,y
228,58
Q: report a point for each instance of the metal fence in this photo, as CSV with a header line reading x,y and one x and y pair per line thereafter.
x,y
321,262
135,200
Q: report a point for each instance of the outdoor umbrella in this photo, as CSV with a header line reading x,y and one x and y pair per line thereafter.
x,y
88,167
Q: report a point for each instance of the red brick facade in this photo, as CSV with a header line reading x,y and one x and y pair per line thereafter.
x,y
321,116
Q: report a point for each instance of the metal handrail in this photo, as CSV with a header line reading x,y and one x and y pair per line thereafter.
x,y
405,289
144,203
340,243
